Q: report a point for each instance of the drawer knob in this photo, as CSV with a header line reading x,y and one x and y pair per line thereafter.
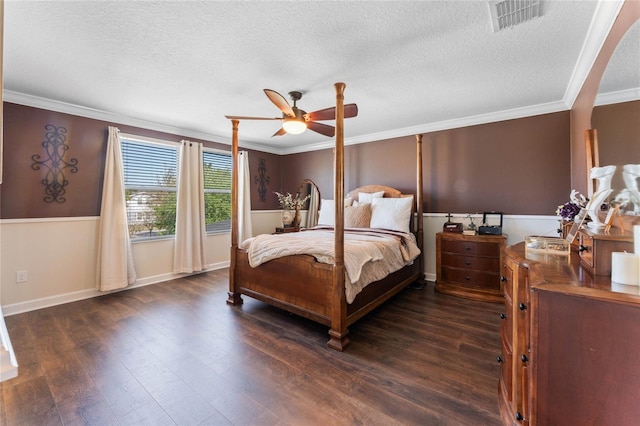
x,y
500,359
519,417
467,248
524,358
503,316
467,263
582,248
503,279
522,306
467,278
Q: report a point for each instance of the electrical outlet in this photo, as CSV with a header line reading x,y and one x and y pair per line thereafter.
x,y
21,276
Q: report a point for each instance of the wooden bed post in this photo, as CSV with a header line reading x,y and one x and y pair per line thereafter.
x,y
338,334
234,297
419,209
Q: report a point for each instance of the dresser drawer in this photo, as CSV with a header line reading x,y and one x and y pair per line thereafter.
x,y
471,248
470,262
474,279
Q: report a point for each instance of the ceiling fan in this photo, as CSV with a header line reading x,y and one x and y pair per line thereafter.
x,y
295,121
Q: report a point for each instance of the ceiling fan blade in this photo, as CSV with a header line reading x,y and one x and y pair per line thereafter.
x,y
350,110
323,129
242,117
279,101
322,114
280,132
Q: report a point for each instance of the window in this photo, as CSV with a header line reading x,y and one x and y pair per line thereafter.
x,y
217,190
150,175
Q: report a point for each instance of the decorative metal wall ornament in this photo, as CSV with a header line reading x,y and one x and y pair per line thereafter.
x,y
54,180
262,180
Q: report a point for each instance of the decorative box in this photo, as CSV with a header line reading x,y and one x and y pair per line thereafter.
x,y
549,245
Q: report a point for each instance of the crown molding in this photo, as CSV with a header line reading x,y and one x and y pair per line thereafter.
x,y
110,117
603,19
620,96
66,108
456,123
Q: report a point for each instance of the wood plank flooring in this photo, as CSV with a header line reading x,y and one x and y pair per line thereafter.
x,y
175,353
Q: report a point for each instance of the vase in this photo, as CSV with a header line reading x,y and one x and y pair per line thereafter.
x,y
297,218
288,217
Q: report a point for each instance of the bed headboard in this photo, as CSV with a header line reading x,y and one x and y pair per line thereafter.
x,y
388,191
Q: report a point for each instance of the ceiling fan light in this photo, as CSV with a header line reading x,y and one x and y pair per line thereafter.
x,y
294,126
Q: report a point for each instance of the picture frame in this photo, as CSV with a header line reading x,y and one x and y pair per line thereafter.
x,y
577,224
612,214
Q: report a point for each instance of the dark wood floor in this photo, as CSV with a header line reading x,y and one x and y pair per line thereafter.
x,y
175,353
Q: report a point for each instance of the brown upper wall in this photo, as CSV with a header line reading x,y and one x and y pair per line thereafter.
x,y
22,194
516,166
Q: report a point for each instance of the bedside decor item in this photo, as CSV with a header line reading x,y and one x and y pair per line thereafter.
x,y
629,198
291,208
625,268
490,229
549,245
569,210
454,227
603,176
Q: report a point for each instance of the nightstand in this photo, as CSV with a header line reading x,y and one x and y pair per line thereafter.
x,y
470,265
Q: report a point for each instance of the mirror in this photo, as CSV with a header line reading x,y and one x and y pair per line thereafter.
x,y
615,118
308,187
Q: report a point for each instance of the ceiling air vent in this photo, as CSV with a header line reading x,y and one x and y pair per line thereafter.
x,y
507,13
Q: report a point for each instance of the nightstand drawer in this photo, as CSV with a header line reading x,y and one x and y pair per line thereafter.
x,y
471,262
473,279
471,248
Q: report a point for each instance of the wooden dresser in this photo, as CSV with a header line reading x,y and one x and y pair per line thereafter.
x,y
570,344
469,265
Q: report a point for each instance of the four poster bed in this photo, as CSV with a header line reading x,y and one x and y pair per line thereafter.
x,y
320,290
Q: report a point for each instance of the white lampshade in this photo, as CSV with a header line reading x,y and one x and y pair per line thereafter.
x,y
294,126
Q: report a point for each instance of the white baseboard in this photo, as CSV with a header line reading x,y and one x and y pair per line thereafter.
x,y
59,299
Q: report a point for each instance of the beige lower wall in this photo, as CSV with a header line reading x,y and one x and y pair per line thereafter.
x,y
59,255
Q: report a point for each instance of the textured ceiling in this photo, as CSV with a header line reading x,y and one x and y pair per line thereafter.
x,y
411,66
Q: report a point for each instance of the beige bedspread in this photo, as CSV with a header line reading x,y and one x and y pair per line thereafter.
x,y
369,254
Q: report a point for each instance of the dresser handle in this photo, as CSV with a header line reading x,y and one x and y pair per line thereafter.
x,y
522,306
503,279
524,358
582,248
503,316
467,278
467,263
519,417
500,359
467,248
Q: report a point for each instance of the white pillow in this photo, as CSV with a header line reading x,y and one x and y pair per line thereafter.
x,y
326,215
391,213
367,197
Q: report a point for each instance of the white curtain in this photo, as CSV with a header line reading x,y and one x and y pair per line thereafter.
x,y
115,258
244,197
189,254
